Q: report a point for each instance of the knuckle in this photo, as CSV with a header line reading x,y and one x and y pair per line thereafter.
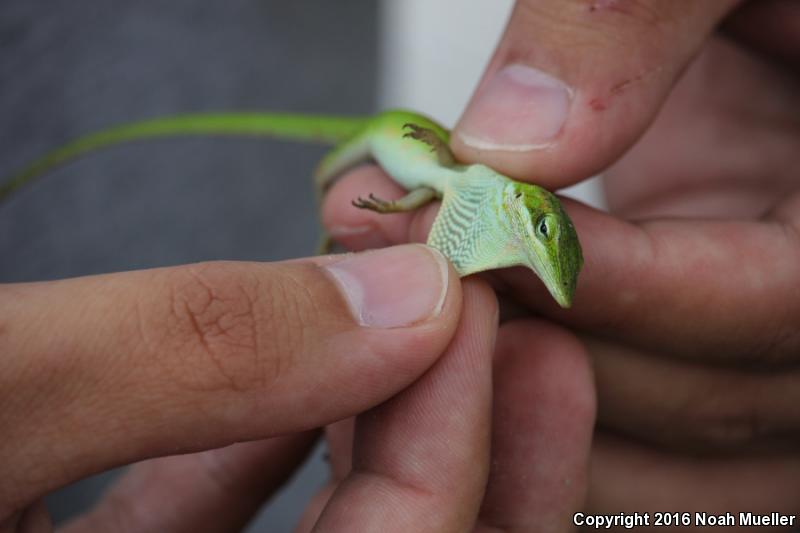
x,y
231,327
722,431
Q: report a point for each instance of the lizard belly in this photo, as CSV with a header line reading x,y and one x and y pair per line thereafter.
x,y
410,163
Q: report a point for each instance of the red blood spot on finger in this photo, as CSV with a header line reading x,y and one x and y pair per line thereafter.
x,y
598,104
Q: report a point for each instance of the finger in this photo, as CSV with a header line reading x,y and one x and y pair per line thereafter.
x,y
695,408
112,369
361,229
573,84
359,225
543,418
627,477
754,165
33,519
667,286
770,26
314,508
215,490
339,440
679,286
420,460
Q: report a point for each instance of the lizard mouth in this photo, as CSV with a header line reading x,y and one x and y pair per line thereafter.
x,y
560,293
563,299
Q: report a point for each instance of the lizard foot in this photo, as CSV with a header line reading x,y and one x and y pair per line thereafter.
x,y
429,137
411,201
421,134
373,203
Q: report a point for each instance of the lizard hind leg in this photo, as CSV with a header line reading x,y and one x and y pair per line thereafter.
x,y
410,202
429,137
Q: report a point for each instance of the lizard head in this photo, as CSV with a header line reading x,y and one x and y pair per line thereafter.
x,y
546,233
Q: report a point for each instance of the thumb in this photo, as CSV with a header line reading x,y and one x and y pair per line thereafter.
x,y
573,84
107,370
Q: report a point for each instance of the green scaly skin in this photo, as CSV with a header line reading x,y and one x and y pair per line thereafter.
x,y
486,221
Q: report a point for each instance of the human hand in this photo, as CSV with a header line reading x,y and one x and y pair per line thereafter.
x,y
108,370
686,299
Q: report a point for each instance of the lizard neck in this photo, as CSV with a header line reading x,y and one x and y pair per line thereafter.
x,y
472,228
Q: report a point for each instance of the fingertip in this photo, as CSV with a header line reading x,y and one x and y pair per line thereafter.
x,y
361,229
544,409
314,509
420,460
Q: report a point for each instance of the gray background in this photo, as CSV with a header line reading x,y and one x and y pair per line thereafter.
x,y
71,67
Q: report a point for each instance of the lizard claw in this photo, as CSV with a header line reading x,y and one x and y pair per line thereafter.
x,y
373,203
420,134
429,137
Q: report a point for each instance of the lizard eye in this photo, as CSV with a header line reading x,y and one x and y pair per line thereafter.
x,y
544,228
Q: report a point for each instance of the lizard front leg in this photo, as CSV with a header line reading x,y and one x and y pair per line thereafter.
x,y
429,137
411,201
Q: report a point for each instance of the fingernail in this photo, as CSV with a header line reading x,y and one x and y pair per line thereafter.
x,y
521,108
393,287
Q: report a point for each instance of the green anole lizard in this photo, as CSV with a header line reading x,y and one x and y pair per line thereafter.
x,y
486,221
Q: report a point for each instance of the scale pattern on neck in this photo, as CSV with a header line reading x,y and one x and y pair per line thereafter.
x,y
466,229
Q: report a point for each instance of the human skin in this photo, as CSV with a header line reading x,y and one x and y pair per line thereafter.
x,y
687,304
234,365
688,324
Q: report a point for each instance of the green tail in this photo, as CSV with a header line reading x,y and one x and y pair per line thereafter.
x,y
315,128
